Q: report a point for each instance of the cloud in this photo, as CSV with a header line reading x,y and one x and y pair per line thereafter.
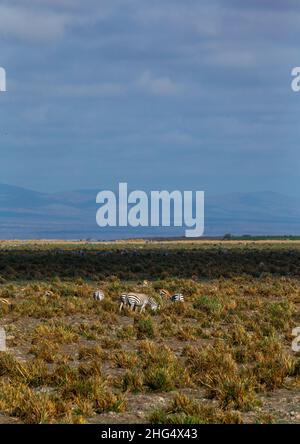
x,y
230,57
90,91
201,19
201,76
157,85
30,25
265,4
45,20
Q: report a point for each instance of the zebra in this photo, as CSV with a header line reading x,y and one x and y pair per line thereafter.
x,y
2,340
164,294
177,297
6,302
141,300
98,295
124,300
135,300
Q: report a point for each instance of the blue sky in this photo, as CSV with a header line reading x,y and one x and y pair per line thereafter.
x,y
161,94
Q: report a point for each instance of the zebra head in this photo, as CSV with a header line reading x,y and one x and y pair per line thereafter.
x,y
123,298
153,304
123,301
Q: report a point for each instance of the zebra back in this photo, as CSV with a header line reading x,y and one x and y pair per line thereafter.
x,y
137,299
141,300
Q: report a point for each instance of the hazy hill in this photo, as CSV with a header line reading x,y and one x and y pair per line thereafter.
x,y
71,215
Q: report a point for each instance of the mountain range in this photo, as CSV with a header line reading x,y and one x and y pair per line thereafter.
x,y
27,214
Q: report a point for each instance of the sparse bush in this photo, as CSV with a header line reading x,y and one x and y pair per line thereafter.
x,y
183,410
159,379
144,328
209,304
133,381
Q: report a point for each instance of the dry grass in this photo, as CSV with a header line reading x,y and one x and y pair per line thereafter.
x,y
73,359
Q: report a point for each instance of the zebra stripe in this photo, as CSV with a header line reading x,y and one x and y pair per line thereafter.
x,y
164,294
98,295
135,300
178,297
123,301
5,301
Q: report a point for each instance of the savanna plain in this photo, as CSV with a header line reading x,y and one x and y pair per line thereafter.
x,y
224,355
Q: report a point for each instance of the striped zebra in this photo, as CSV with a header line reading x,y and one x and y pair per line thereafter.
x,y
164,294
177,297
98,295
123,300
7,303
135,300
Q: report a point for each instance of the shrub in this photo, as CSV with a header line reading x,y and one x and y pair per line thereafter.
x,y
159,379
208,304
144,328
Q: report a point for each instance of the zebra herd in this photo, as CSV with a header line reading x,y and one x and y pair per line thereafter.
x,y
140,300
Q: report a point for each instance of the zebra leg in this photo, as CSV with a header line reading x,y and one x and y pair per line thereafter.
x,y
121,306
